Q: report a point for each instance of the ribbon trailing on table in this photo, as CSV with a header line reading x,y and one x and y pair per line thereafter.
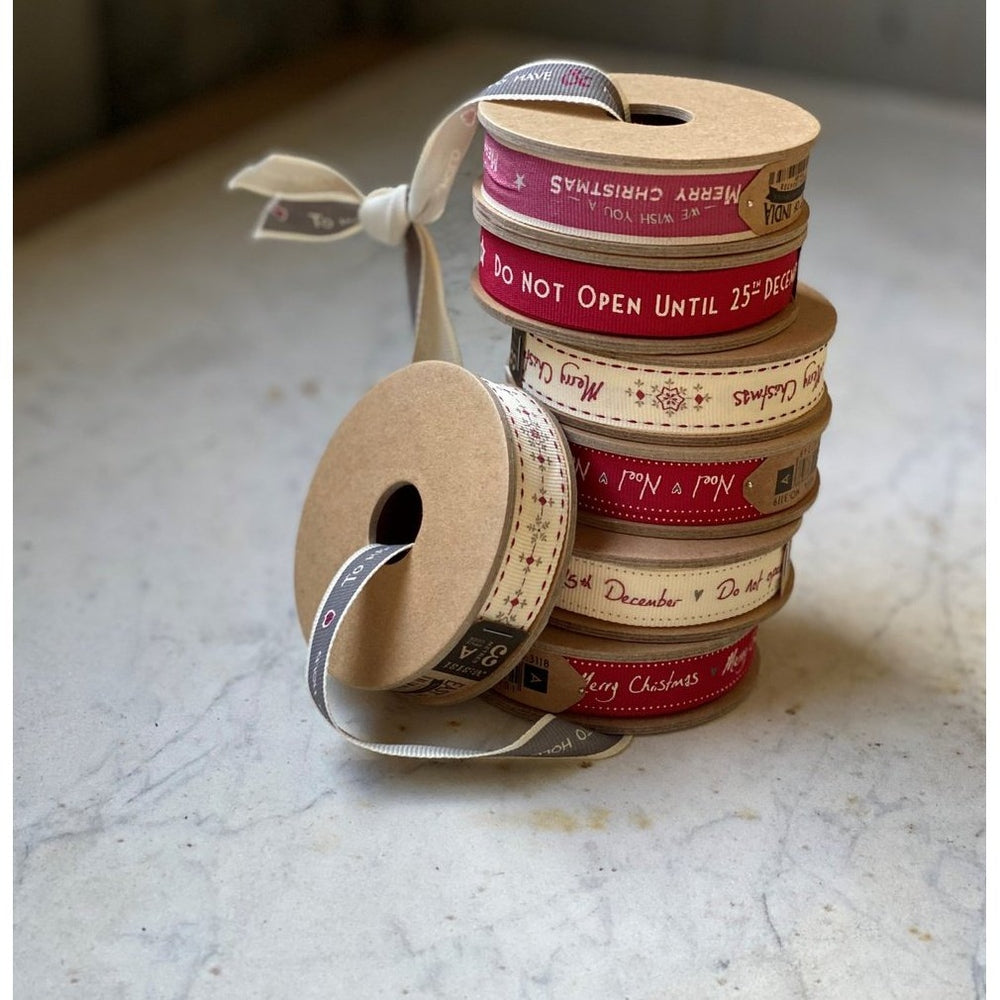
x,y
549,737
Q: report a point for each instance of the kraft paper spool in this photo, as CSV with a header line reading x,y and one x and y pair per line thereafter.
x,y
667,588
660,299
477,476
726,395
697,491
621,686
700,162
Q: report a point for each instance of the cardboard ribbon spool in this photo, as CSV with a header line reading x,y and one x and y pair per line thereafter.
x,y
696,163
621,686
665,589
725,396
654,304
431,545
697,490
477,477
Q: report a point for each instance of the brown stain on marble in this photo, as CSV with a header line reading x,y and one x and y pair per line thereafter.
x,y
640,819
561,821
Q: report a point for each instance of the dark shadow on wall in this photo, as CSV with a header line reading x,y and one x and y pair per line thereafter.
x,y
85,69
88,69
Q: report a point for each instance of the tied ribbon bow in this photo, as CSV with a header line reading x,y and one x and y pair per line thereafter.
x,y
311,201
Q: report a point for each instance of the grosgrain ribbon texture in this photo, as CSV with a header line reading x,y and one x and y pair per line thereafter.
x,y
532,553
630,302
669,399
635,688
638,490
633,206
662,597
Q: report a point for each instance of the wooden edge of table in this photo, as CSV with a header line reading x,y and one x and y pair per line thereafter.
x,y
124,158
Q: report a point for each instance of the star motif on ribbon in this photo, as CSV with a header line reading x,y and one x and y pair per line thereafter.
x,y
670,398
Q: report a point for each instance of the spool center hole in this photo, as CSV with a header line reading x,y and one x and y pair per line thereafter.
x,y
397,518
657,114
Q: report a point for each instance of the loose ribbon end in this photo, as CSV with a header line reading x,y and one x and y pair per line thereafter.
x,y
318,220
293,176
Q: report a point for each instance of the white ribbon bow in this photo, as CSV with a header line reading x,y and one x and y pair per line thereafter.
x,y
311,201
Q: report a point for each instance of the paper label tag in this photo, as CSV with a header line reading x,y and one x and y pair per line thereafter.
x,y
782,480
479,654
774,199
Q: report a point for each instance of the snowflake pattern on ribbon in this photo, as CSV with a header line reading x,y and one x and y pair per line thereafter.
x,y
668,396
537,532
534,440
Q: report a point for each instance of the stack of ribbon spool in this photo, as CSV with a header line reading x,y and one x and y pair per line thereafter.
x,y
640,236
648,270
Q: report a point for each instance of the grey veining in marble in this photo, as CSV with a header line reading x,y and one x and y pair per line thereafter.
x,y
185,824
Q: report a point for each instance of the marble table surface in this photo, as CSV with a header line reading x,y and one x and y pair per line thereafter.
x,y
185,823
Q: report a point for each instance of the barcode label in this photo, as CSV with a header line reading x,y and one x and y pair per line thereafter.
x,y
806,464
788,173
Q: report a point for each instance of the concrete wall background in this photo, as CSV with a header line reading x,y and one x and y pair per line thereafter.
x,y
84,68
916,44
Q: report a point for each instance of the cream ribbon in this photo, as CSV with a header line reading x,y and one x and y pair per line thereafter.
x,y
663,598
690,400
311,201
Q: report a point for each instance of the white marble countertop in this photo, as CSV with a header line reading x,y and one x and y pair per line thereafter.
x,y
185,823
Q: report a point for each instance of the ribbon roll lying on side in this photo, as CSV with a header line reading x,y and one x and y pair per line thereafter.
x,y
443,512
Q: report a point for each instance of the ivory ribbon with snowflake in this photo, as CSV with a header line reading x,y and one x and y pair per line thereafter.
x,y
695,401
